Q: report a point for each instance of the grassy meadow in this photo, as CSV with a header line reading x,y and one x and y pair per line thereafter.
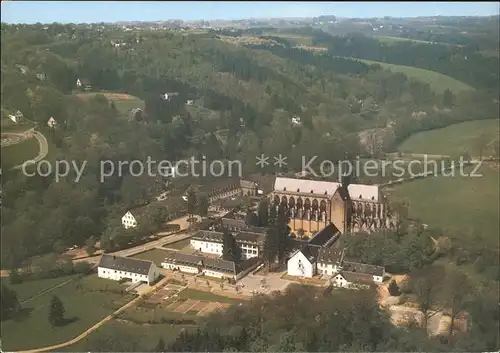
x,y
28,289
155,255
123,102
86,301
438,82
456,203
454,139
18,153
146,336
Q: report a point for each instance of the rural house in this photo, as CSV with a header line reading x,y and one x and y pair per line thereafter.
x,y
83,84
118,268
129,221
196,264
210,242
52,122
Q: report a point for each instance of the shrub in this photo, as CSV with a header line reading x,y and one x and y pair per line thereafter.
x,y
394,289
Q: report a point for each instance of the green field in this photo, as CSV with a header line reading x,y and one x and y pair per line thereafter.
x,y
208,296
391,40
86,301
155,255
140,324
457,204
454,139
123,102
438,82
179,245
28,289
145,336
394,40
16,154
292,37
8,126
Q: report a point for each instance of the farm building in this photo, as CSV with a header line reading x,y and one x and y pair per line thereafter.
x,y
118,268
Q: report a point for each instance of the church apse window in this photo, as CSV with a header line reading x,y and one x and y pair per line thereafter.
x,y
368,210
307,208
315,208
359,209
299,207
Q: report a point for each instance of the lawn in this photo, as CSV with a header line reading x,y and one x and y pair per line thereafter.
x,y
454,139
155,255
28,289
457,204
292,37
123,102
86,302
179,245
16,154
393,40
8,126
438,82
189,293
145,336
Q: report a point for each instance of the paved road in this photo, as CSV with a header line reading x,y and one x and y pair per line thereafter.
x,y
12,138
169,239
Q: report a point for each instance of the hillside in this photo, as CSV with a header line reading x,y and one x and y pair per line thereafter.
x,y
471,137
438,82
129,96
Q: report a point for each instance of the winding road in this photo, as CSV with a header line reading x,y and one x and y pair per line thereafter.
x,y
12,138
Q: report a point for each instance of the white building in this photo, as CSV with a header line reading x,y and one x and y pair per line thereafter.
x,y
352,280
329,261
250,242
118,268
302,263
208,242
52,122
129,221
199,265
320,256
370,272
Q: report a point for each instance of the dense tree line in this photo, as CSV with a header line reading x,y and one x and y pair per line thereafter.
x,y
310,319
254,94
461,63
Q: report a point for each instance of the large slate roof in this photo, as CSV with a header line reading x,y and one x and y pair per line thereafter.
x,y
208,235
127,264
177,257
325,236
234,223
355,277
363,268
249,237
330,255
309,251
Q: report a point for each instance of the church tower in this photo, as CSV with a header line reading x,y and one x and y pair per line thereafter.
x,y
347,177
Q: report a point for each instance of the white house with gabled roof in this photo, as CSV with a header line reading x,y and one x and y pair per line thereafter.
x,y
129,221
52,122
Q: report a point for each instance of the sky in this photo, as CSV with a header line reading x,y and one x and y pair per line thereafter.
x,y
113,11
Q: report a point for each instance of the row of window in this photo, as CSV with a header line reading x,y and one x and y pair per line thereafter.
x,y
125,273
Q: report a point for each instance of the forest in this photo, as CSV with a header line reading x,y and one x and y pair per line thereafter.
x,y
251,93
